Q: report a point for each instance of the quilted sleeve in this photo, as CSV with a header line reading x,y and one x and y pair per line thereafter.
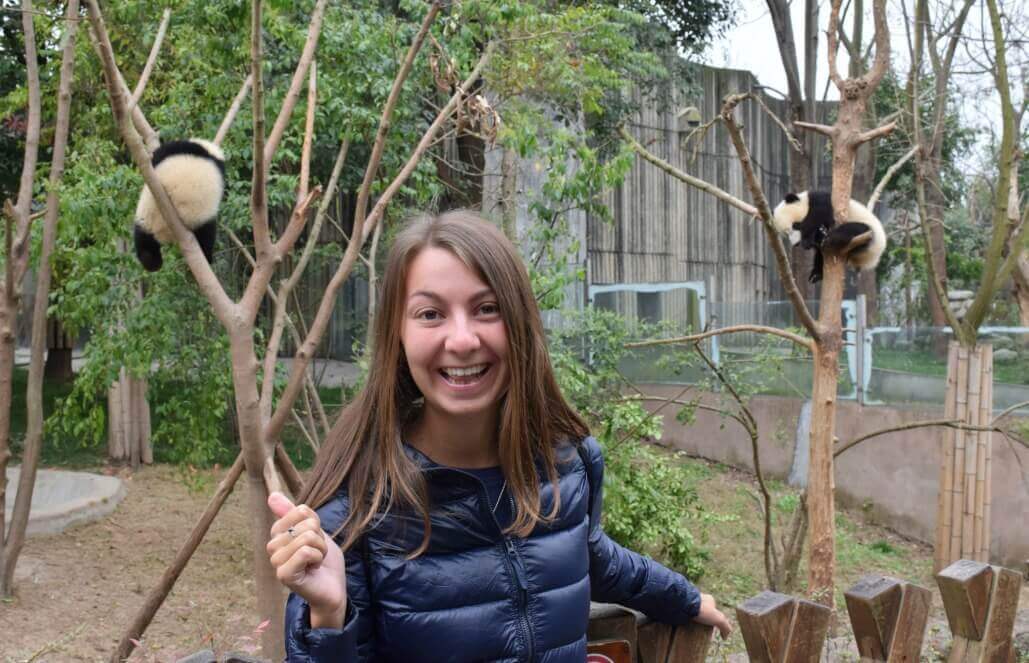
x,y
354,642
619,575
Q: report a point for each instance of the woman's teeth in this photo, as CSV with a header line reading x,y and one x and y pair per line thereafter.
x,y
465,375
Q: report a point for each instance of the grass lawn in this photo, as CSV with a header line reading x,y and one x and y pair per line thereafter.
x,y
735,571
924,362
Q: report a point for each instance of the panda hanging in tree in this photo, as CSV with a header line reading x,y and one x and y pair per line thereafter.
x,y
192,173
807,218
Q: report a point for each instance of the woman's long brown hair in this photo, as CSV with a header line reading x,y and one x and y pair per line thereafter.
x,y
364,449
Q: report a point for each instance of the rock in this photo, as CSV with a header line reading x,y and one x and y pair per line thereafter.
x,y
1004,356
960,295
1000,342
239,657
204,656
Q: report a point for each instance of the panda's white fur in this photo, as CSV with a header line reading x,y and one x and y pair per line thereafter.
x,y
195,185
786,214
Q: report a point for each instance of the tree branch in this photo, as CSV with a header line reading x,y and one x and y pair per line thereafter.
x,y
230,116
823,129
957,424
28,167
735,329
707,187
889,176
878,132
137,94
305,153
783,262
379,146
259,179
293,94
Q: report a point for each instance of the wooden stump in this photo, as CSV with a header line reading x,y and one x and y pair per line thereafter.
x,y
889,618
650,642
981,602
782,629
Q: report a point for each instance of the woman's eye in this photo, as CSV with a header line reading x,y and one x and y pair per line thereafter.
x,y
428,314
489,309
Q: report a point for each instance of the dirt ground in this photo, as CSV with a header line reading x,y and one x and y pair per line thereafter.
x,y
77,591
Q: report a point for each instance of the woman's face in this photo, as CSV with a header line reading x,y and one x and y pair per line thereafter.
x,y
453,336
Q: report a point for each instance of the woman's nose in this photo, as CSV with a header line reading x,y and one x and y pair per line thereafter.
x,y
462,338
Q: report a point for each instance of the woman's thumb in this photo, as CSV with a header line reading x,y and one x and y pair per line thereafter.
x,y
279,504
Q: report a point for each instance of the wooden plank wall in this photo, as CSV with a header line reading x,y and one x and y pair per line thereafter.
x,y
666,231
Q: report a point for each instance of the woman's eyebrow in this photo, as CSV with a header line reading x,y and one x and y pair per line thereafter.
x,y
485,292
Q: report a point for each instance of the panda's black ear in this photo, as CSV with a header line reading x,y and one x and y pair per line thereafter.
x,y
791,198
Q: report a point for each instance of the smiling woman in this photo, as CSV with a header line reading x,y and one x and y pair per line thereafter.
x,y
459,496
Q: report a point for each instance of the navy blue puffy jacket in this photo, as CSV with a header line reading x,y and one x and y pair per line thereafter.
x,y
476,595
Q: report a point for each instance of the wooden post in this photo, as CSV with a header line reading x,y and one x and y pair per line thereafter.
x,y
663,643
650,642
889,618
782,629
981,602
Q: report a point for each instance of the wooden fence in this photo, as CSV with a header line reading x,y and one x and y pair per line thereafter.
x,y
888,618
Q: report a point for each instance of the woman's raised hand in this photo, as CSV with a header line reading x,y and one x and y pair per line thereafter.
x,y
308,561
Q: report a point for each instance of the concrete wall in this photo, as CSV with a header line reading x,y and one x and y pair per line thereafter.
x,y
894,477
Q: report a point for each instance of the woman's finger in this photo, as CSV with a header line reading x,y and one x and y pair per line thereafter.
x,y
297,564
308,539
292,517
284,538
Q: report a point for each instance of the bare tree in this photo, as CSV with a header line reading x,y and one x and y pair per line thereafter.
x,y
19,225
260,418
846,136
963,509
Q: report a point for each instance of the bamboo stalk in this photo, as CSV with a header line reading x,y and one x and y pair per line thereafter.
x,y
988,487
982,535
982,415
960,413
975,375
946,488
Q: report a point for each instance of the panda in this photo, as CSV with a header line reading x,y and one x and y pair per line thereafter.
x,y
807,218
192,172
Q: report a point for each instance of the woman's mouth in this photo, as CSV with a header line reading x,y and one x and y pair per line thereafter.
x,y
460,376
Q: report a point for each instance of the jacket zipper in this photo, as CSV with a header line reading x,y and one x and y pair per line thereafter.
x,y
515,566
523,585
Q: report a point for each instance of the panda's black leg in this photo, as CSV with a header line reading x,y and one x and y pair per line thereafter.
x,y
205,235
816,271
148,249
842,235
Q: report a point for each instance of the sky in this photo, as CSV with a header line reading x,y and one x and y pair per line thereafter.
x,y
980,106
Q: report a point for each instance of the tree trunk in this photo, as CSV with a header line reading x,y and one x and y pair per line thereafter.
x,y
59,345
1021,285
8,311
935,206
508,194
270,597
821,484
